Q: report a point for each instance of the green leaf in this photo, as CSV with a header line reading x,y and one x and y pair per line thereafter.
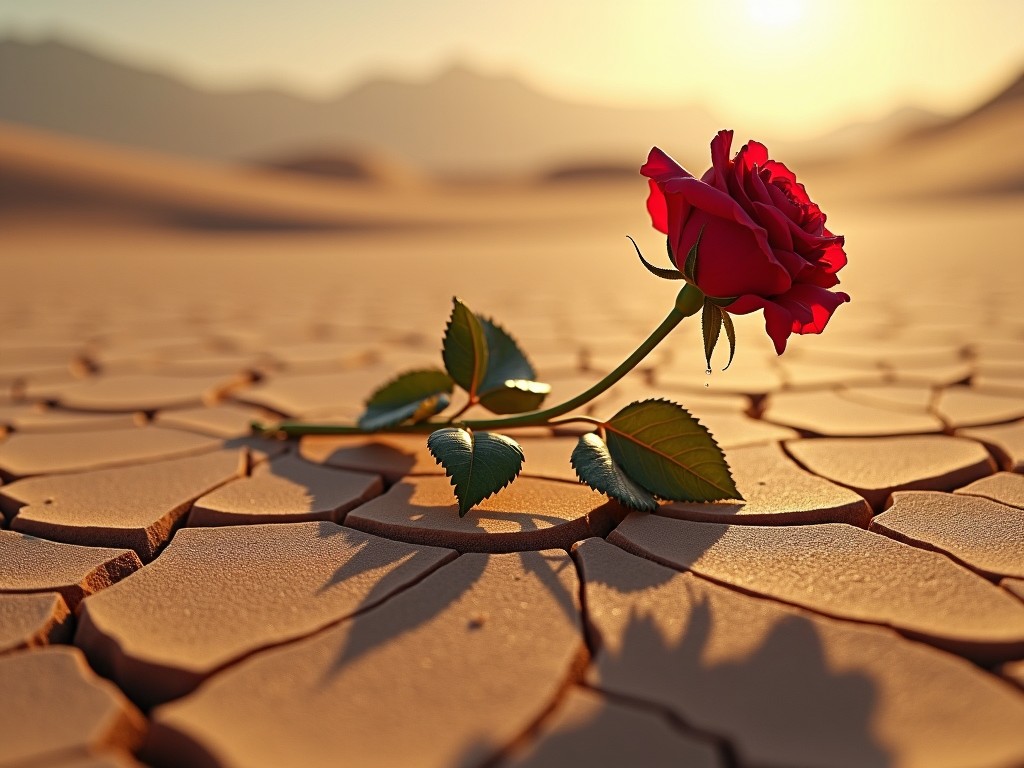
x,y
504,358
690,266
595,467
415,396
479,463
711,323
516,396
430,407
662,272
730,332
465,348
667,451
509,384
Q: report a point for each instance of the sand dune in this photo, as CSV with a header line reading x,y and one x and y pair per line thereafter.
x,y
981,158
458,121
44,174
458,124
340,165
977,153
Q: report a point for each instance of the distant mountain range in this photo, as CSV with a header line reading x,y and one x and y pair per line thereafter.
x,y
460,122
85,138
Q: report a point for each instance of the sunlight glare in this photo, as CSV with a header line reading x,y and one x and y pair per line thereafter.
x,y
775,13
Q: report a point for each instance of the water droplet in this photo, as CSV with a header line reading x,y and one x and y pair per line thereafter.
x,y
708,371
706,385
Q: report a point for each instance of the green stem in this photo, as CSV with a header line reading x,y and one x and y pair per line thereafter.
x,y
574,420
688,302
469,404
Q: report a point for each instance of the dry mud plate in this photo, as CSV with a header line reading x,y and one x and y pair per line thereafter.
x,y
174,592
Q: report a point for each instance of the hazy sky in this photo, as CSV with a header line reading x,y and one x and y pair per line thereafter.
x,y
800,66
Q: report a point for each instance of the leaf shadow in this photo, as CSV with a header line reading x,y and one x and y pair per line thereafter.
x,y
613,732
780,701
375,626
371,627
310,480
503,523
390,459
538,559
408,569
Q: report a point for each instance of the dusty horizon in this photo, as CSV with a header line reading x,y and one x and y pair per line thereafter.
x,y
657,56
270,495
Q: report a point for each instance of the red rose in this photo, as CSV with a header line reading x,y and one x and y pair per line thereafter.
x,y
764,241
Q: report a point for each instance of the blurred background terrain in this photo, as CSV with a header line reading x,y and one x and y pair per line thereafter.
x,y
194,154
128,109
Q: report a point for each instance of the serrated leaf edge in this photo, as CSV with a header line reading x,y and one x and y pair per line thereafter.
x,y
451,477
728,469
397,377
607,491
479,372
511,338
434,402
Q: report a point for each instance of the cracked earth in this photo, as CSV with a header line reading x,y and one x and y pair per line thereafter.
x,y
175,592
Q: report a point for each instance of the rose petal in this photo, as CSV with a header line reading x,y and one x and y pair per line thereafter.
x,y
752,153
802,309
777,321
763,237
780,172
814,220
810,245
657,207
833,256
802,314
720,146
736,190
785,204
756,188
795,264
775,224
815,304
713,201
818,302
660,167
819,276
738,249
730,260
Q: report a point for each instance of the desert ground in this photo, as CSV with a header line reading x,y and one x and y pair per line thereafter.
x,y
177,592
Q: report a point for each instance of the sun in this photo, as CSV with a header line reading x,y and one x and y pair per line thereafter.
x,y
776,13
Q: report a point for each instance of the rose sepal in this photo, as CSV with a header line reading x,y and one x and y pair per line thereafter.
x,y
662,272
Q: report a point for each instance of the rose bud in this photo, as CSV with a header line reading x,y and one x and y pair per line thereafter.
x,y
763,242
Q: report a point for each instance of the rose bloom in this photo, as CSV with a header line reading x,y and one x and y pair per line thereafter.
x,y
763,242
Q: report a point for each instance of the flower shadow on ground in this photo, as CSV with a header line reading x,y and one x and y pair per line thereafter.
x,y
776,698
527,542
364,636
779,702
360,454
